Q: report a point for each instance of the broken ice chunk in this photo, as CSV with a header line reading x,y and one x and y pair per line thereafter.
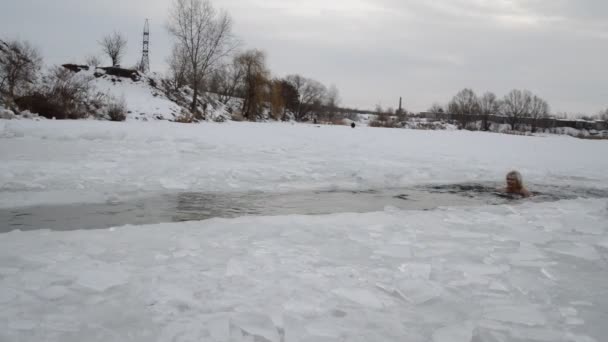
x,y
360,296
524,314
462,332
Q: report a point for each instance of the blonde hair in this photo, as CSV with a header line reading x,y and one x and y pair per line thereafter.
x,y
517,176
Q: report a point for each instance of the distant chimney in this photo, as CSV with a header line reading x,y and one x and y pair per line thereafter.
x,y
400,110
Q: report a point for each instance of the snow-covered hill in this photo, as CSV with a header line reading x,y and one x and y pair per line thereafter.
x,y
144,100
146,97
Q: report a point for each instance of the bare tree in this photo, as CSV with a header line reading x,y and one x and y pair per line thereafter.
x,y
332,101
402,114
93,61
382,115
227,80
204,35
539,109
311,94
298,83
178,67
255,78
488,105
587,117
603,115
20,64
515,106
463,105
290,96
378,109
114,46
436,108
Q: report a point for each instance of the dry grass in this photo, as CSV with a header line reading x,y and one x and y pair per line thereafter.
x,y
236,116
592,137
385,124
511,132
186,117
117,110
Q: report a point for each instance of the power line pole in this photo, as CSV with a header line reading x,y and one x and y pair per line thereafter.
x,y
145,57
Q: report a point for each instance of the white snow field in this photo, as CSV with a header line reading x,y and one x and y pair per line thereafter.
x,y
520,272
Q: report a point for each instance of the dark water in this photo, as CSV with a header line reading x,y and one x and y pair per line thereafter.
x,y
193,206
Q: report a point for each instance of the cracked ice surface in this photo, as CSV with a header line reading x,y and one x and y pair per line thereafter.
x,y
503,273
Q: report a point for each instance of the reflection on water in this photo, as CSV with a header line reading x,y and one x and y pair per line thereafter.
x,y
192,206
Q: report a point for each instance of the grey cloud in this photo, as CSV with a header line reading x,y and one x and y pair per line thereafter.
x,y
373,50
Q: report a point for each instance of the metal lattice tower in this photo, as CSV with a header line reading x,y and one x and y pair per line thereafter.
x,y
145,58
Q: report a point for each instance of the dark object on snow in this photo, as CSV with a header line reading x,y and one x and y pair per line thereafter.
x,y
152,83
75,67
353,125
120,72
314,121
37,103
45,107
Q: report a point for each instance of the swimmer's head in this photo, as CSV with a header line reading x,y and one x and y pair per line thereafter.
x,y
514,180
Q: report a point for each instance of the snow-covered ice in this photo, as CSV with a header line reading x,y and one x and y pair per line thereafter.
x,y
521,272
90,161
301,278
454,333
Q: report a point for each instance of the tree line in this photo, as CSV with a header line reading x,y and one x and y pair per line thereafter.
x,y
519,107
465,106
205,58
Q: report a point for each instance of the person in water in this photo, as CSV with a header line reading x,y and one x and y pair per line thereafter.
x,y
515,185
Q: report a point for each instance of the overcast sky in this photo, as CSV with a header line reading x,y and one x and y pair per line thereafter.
x,y
373,50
